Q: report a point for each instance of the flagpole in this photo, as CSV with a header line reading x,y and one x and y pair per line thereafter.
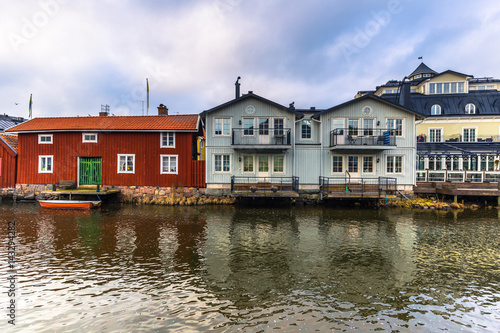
x,y
31,107
147,93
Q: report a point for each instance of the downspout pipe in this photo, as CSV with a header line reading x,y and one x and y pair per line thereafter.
x,y
294,139
321,142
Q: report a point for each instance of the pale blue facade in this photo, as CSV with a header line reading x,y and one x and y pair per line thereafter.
x,y
248,137
364,138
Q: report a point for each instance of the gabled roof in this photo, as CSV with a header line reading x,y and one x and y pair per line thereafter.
x,y
111,123
10,141
449,71
421,69
252,95
369,96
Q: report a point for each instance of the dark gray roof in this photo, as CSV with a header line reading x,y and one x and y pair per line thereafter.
x,y
452,105
423,68
252,95
8,121
370,96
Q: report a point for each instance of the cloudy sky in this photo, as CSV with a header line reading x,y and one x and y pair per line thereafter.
x,y
74,56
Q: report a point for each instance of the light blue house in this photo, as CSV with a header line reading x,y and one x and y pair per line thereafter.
x,y
253,143
250,140
363,140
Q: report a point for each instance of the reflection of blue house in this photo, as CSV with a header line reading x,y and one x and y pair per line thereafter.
x,y
254,141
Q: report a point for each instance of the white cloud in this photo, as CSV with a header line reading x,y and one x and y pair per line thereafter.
x,y
89,53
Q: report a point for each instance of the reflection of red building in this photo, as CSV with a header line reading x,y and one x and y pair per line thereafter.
x,y
111,150
8,160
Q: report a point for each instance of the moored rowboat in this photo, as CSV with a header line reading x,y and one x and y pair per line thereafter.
x,y
69,204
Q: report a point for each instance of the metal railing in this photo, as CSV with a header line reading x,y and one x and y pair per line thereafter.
x,y
360,185
261,136
458,176
264,185
360,137
453,138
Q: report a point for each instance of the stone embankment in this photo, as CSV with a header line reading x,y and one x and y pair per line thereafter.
x,y
148,195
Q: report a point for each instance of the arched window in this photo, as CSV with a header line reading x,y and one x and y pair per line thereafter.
x,y
470,108
436,109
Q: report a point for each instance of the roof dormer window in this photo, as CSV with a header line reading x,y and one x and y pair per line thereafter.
x,y
446,88
470,108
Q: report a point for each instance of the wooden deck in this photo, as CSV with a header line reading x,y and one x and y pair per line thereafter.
x,y
78,192
355,191
465,189
263,190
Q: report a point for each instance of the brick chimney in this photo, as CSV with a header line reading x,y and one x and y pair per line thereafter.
x,y
162,110
103,114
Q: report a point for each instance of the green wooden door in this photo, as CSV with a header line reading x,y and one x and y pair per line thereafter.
x,y
90,171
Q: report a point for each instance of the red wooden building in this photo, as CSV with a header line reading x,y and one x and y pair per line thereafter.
x,y
8,160
111,150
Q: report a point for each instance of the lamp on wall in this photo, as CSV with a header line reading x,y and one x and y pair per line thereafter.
x,y
239,159
378,159
239,122
378,122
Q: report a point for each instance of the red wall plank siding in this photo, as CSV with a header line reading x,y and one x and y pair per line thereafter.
x,y
8,161
198,173
68,146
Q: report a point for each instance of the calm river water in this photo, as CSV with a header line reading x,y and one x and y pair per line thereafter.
x,y
230,268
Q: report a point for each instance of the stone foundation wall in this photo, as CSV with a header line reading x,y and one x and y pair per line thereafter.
x,y
130,194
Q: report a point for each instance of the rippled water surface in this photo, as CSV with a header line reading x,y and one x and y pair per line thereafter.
x,y
190,269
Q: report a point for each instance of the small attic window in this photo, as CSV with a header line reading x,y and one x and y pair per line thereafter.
x,y
470,108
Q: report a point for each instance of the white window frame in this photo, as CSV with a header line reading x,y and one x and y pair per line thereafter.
x,y
435,128
51,136
169,161
469,128
302,133
374,166
276,130
402,126
161,140
46,157
222,163
473,106
223,121
356,130
434,108
89,141
249,129
341,128
243,164
279,172
133,163
341,169
366,130
393,158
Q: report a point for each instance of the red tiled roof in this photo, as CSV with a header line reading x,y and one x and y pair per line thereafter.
x,y
11,140
118,123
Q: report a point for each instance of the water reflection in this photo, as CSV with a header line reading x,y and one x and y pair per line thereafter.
x,y
229,268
